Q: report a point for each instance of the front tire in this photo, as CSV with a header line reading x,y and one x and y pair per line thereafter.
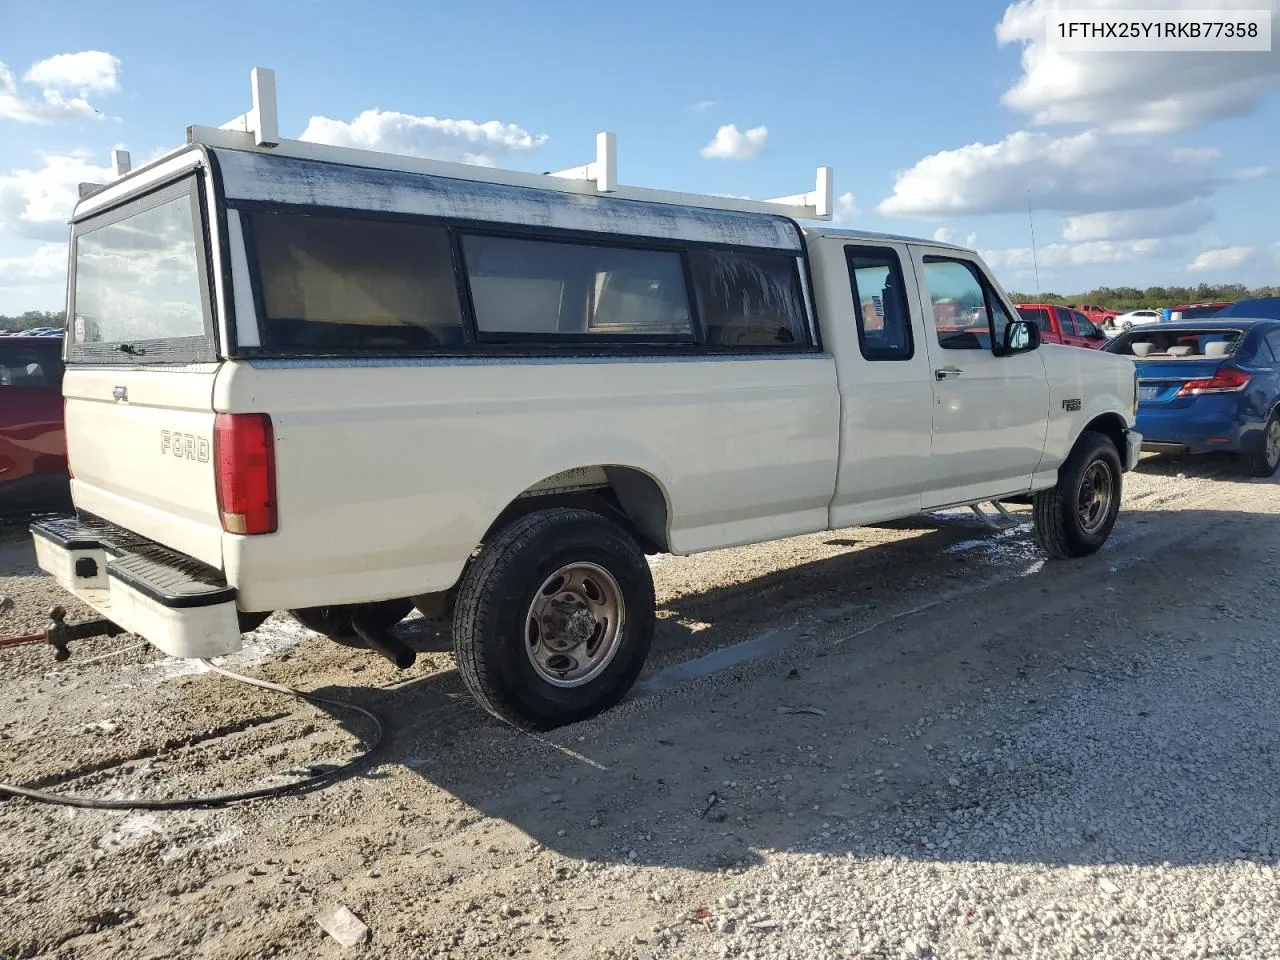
x,y
1075,518
1264,461
554,618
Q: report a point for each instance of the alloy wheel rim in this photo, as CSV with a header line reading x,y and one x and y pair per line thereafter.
x,y
574,625
1273,443
1097,489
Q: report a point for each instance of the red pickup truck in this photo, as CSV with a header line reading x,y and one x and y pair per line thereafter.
x,y
33,444
1100,316
1063,325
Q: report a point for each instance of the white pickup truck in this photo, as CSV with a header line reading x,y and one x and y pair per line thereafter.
x,y
342,383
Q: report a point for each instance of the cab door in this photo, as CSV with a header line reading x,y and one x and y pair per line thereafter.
x,y
990,413
886,401
1067,323
1091,335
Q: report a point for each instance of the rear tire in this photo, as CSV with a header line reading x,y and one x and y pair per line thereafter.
x,y
1266,459
334,622
1075,518
554,618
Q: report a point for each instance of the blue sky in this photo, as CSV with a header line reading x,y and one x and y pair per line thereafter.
x,y
939,117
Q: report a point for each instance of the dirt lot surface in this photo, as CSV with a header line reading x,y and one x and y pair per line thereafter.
x,y
917,740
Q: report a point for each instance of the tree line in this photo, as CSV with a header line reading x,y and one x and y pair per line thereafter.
x,y
34,318
1152,298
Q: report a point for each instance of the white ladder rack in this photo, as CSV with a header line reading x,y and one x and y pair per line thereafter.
x,y
258,130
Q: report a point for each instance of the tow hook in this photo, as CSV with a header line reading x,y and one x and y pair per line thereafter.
x,y
59,633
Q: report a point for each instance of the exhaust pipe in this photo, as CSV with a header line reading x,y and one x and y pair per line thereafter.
x,y
382,642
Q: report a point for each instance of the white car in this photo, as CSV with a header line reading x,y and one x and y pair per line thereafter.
x,y
343,383
1136,318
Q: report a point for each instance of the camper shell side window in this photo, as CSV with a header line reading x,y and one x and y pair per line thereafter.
x,y
340,282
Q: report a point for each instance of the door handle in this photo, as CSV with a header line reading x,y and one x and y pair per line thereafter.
x,y
943,373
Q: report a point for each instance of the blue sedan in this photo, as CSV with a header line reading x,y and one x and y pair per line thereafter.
x,y
1209,385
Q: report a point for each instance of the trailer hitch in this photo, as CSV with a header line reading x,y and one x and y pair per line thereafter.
x,y
59,633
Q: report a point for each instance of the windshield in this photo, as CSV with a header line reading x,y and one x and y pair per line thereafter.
x,y
137,282
1176,344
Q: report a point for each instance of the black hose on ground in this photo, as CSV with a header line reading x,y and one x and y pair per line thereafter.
x,y
223,799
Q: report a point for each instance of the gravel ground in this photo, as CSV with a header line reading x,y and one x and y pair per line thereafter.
x,y
915,740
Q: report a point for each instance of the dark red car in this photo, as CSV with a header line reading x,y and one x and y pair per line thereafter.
x,y
1199,311
33,444
1063,325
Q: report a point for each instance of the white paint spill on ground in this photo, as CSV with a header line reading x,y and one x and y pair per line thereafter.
x,y
277,635
135,829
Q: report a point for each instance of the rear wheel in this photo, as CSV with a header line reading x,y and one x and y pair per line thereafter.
x,y
1264,461
1075,518
335,621
554,618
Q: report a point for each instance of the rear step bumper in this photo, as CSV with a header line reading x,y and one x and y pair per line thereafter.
x,y
178,604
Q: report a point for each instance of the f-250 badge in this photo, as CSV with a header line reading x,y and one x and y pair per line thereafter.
x,y
184,446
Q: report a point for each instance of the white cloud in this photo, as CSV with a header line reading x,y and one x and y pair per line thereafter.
x,y
91,70
1076,254
943,235
464,141
704,105
971,240
1132,92
730,143
1223,258
1084,173
1252,173
1137,224
48,263
37,203
77,73
846,209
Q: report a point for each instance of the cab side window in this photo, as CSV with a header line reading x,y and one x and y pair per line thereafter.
x,y
1084,326
1273,341
880,303
1065,321
967,313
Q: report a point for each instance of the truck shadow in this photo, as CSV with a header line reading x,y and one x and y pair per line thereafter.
x,y
942,730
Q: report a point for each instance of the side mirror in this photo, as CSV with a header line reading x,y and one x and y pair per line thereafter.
x,y
1020,336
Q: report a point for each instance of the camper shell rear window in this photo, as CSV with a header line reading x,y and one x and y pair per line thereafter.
x,y
140,282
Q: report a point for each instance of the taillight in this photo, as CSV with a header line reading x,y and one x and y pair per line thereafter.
x,y
1226,380
245,466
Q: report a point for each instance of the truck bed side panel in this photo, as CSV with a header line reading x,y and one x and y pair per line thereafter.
x,y
389,472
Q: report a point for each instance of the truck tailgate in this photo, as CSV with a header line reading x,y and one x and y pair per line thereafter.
x,y
140,445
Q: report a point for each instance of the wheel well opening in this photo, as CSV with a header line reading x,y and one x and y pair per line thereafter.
x,y
629,496
1112,426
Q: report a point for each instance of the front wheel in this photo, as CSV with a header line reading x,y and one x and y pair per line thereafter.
x,y
1075,518
1127,326
554,618
1264,461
